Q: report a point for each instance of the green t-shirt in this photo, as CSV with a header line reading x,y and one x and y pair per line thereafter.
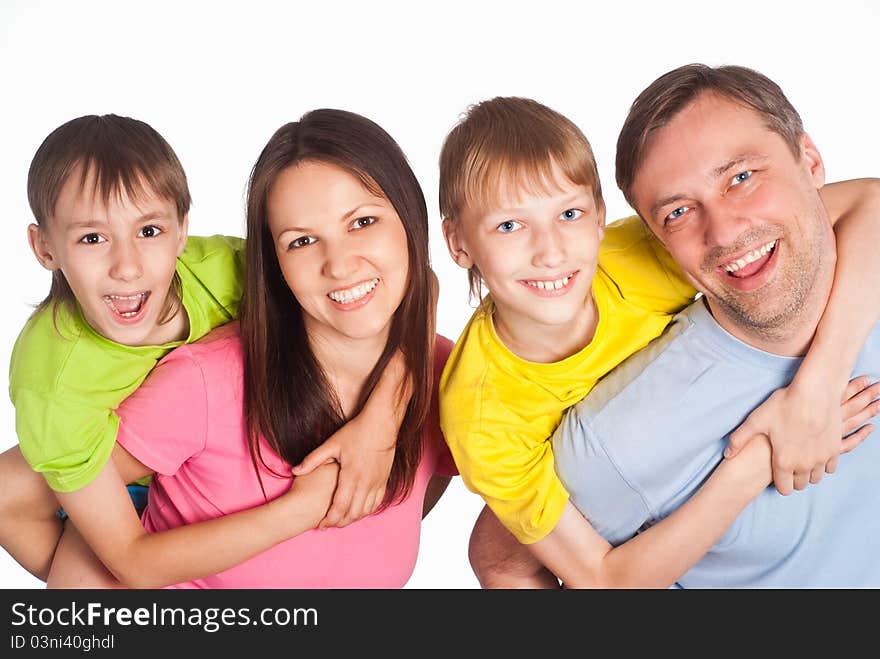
x,y
65,380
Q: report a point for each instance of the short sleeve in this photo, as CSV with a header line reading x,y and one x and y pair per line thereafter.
x,y
67,439
164,422
642,269
596,488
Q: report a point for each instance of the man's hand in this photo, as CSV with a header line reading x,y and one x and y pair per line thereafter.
x,y
365,456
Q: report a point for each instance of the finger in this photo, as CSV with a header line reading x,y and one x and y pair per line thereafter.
x,y
340,505
783,480
816,474
378,498
854,386
356,509
326,452
860,400
831,465
849,443
740,437
854,421
801,480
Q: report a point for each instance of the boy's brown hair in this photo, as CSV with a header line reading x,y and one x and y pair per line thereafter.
x,y
506,143
124,155
673,91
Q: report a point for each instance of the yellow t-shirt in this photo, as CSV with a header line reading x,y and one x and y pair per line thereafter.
x,y
498,411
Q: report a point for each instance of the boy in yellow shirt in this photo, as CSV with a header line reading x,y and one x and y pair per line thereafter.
x,y
570,299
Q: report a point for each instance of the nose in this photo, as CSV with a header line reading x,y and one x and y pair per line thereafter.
x,y
126,261
548,247
723,224
340,262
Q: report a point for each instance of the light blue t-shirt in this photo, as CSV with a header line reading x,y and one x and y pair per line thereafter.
x,y
649,434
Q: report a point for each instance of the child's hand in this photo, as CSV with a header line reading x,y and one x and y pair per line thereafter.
x,y
314,491
365,456
805,430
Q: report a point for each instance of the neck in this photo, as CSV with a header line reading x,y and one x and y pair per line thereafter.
x,y
546,343
346,362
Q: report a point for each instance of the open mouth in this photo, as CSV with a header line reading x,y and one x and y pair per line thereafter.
x,y
556,286
751,262
127,306
354,294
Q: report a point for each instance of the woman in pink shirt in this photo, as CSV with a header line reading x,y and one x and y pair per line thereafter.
x,y
338,282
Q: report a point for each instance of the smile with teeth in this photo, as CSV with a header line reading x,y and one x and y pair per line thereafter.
x,y
126,306
549,285
353,294
750,257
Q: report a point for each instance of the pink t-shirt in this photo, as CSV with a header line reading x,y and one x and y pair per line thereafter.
x,y
186,422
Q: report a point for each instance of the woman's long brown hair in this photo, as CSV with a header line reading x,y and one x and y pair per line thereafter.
x,y
288,399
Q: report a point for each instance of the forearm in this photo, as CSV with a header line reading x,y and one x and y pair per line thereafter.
x,y
657,557
106,519
854,304
198,550
388,401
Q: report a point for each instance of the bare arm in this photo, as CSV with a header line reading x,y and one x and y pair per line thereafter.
x,y
656,558
105,517
801,419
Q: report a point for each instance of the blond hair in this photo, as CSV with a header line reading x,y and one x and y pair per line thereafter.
x,y
508,143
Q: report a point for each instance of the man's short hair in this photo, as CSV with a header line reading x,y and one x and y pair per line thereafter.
x,y
502,144
673,91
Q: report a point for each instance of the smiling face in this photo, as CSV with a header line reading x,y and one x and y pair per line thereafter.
x,y
118,258
537,253
342,251
740,213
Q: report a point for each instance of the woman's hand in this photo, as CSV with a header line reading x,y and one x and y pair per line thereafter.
x,y
364,454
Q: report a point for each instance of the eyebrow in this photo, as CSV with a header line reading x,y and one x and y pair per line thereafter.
x,y
569,199
89,224
344,218
715,173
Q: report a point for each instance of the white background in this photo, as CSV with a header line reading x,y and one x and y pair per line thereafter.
x,y
217,79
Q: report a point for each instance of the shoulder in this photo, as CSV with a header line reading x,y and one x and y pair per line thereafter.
x,y
470,355
45,344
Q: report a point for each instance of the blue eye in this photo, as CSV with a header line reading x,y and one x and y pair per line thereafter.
x,y
92,239
509,226
571,214
677,213
302,242
363,222
742,176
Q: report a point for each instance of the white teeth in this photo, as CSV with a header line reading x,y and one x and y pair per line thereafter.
x,y
751,257
354,293
554,285
127,301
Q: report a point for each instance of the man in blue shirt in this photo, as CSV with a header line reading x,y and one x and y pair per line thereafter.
x,y
717,163
718,166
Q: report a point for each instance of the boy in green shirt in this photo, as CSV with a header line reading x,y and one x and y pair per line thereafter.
x,y
111,202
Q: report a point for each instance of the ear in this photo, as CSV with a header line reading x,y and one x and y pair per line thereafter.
x,y
600,218
457,249
812,159
184,232
41,248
